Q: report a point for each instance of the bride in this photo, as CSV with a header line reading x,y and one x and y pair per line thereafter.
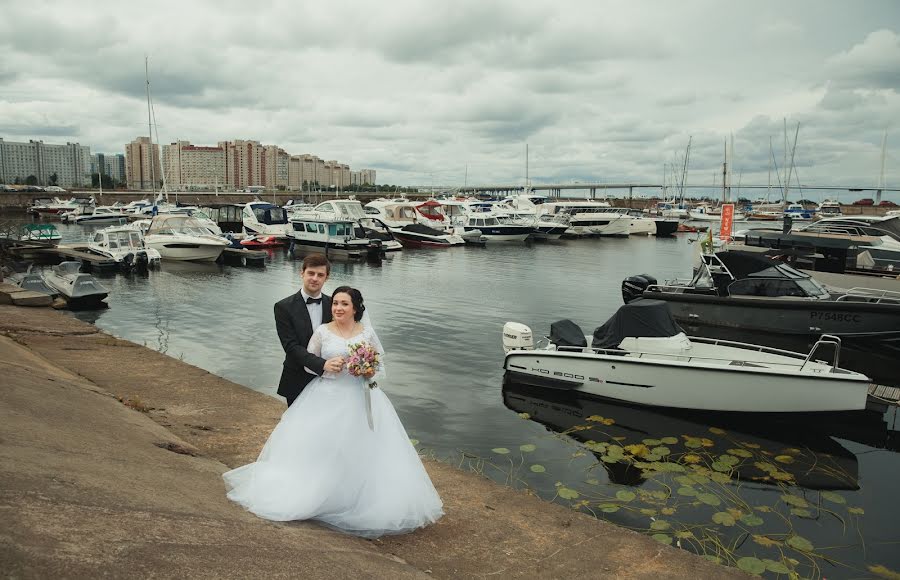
x,y
325,462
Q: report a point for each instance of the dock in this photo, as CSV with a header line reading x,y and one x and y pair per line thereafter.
x,y
244,257
882,397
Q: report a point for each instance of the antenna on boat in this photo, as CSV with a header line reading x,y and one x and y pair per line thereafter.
x,y
881,179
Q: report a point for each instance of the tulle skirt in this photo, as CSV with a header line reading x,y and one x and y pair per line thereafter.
x,y
324,462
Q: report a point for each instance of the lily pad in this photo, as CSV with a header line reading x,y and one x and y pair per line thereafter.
x,y
728,459
709,499
751,520
716,430
527,448
751,565
691,458
662,538
856,510
659,494
669,440
610,459
687,491
801,512
699,478
567,493
592,481
536,468
833,497
648,512
739,453
718,477
883,572
625,495
667,511
786,459
608,507
776,567
685,534
660,525
500,450
651,442
800,543
794,500
765,541
721,467
723,518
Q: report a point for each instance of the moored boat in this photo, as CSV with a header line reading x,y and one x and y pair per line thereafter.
x,y
641,355
80,290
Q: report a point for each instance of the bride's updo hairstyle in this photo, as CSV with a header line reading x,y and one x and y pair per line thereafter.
x,y
355,297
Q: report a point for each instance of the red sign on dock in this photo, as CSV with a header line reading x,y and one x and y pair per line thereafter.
x,y
727,221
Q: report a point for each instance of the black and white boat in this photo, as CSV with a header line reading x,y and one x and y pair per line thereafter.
x,y
81,291
641,355
125,245
264,219
495,230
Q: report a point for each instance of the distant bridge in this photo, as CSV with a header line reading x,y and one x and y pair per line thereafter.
x,y
555,189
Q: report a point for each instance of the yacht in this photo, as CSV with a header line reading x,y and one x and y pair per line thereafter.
x,y
261,218
523,209
829,208
416,225
489,226
587,218
367,226
101,215
183,238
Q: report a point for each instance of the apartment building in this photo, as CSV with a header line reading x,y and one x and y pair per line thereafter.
x,y
143,169
242,163
190,166
113,165
275,163
64,165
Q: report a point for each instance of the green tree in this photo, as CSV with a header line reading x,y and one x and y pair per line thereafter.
x,y
54,179
31,180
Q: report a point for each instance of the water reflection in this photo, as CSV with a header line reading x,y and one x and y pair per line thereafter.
x,y
817,459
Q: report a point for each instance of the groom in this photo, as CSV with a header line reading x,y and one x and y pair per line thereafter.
x,y
296,318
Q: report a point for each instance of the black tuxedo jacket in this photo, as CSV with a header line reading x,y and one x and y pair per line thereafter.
x,y
294,330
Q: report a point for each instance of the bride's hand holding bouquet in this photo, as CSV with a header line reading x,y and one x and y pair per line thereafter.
x,y
364,361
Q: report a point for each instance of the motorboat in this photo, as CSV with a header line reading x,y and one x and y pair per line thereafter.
x,y
331,234
705,213
829,208
375,229
41,233
642,356
587,218
524,210
744,291
797,212
183,238
80,290
489,226
125,245
265,219
260,242
645,225
101,215
877,235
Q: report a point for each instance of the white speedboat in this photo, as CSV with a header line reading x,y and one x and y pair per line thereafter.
x,y
183,238
101,215
325,232
79,289
642,356
124,244
264,219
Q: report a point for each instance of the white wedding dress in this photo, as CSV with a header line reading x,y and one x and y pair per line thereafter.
x,y
324,462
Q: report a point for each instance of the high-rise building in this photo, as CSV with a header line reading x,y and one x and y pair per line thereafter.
x,y
367,177
274,161
242,163
113,165
64,165
142,165
194,167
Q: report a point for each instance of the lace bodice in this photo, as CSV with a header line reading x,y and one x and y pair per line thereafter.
x,y
327,344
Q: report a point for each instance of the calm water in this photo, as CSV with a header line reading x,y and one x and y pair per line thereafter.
x,y
812,494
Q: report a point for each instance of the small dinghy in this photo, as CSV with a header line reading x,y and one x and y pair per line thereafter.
x,y
642,356
81,291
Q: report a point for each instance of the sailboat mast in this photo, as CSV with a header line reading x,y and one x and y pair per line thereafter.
x,y
725,171
149,125
881,178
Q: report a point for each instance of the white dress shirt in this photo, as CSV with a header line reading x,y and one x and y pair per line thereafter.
x,y
314,309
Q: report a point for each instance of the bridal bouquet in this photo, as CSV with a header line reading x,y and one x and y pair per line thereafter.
x,y
364,360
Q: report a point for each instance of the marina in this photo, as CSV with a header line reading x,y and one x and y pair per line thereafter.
x,y
443,310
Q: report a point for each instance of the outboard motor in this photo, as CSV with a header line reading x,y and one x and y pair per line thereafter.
x,y
142,262
517,336
128,261
633,287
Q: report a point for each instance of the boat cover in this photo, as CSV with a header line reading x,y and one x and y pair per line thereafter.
x,y
641,318
742,264
565,333
422,229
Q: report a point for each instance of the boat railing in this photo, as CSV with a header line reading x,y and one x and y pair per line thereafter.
x,y
870,295
687,357
824,341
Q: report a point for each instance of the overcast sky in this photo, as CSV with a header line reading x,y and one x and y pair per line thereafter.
x,y
423,90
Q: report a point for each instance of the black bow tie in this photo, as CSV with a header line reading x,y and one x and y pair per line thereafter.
x,y
311,300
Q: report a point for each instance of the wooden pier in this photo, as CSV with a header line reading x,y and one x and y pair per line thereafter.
x,y
882,397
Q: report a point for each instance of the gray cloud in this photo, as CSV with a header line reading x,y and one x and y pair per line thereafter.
x,y
419,91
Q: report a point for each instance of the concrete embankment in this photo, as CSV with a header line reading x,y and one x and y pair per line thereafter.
x,y
112,456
